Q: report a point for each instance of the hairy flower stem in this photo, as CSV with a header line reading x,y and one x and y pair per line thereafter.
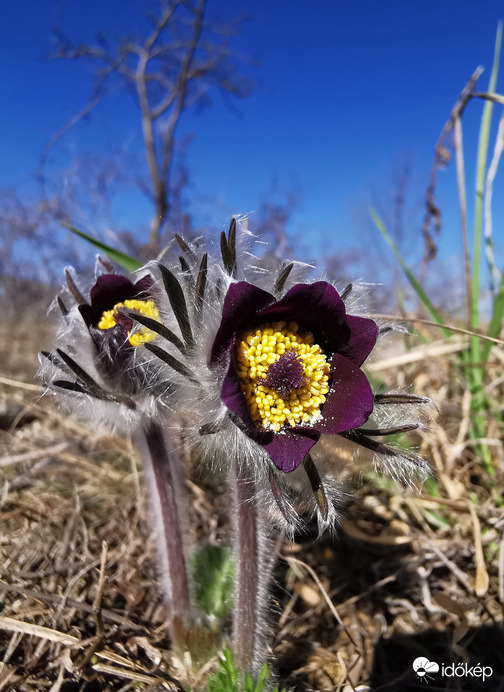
x,y
249,565
162,475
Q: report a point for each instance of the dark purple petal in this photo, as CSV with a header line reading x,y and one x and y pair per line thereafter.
x,y
241,304
233,397
362,341
350,400
111,289
143,287
289,447
87,315
316,308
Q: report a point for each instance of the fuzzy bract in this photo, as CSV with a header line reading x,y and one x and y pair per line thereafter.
x,y
98,367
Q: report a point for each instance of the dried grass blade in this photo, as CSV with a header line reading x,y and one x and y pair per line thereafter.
x,y
126,674
480,178
35,454
495,274
482,579
11,625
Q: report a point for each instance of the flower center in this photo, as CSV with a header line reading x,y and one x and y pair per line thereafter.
x,y
148,308
283,374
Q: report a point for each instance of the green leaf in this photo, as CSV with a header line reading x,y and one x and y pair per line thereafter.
x,y
431,487
122,259
226,677
496,321
484,136
436,316
213,578
436,519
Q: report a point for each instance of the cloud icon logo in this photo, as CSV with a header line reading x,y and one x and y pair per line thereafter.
x,y
423,667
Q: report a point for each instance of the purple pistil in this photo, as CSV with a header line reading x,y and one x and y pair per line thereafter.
x,y
285,374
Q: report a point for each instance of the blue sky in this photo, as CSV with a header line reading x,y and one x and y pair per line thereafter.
x,y
345,92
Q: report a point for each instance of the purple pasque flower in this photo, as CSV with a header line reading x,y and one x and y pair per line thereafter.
x,y
110,291
108,369
109,326
292,367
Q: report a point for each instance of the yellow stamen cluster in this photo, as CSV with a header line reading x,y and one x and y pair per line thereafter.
x,y
259,348
144,307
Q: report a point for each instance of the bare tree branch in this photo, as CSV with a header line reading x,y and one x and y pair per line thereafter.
x,y
175,67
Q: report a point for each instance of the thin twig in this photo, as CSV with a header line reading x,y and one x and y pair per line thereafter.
x,y
459,330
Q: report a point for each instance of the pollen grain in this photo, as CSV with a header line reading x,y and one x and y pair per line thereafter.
x,y
144,307
292,391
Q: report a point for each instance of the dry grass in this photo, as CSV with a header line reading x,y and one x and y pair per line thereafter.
x,y
408,576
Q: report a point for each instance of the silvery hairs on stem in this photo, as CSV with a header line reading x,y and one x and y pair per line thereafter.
x,y
258,362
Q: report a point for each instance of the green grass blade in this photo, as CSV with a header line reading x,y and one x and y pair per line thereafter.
x,y
476,374
484,137
122,259
496,321
436,316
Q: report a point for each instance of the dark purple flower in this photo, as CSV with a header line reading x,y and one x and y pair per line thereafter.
x,y
109,327
111,289
293,367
